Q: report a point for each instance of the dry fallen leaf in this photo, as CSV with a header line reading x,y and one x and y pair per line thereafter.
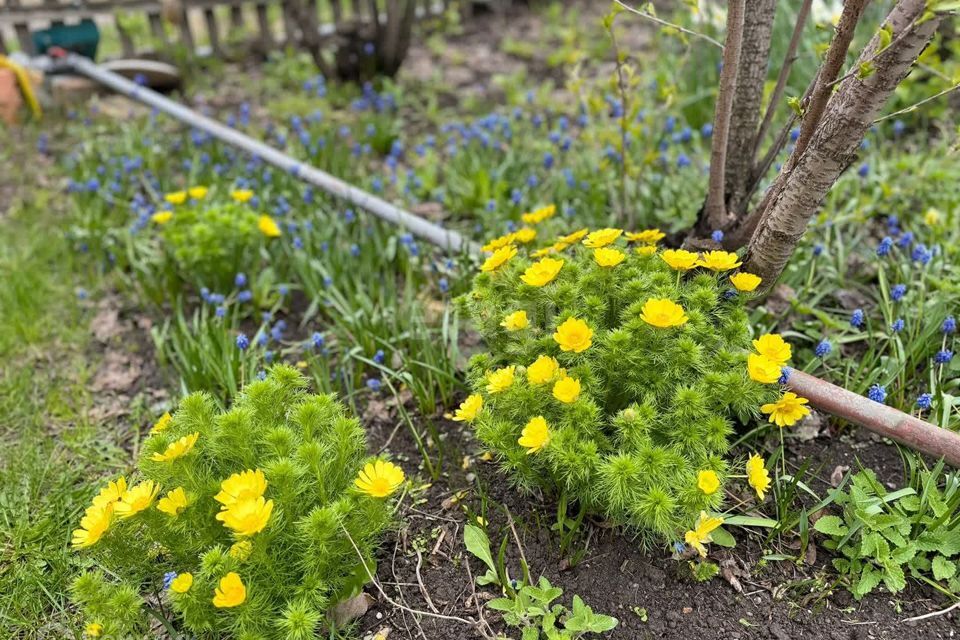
x,y
343,612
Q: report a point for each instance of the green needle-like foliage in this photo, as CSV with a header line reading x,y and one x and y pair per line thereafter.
x,y
657,403
295,556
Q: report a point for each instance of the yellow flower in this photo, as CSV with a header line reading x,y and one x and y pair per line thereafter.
x,y
762,369
700,534
566,389
111,493
663,313
240,550
241,195
774,348
646,250
515,321
94,629
162,217
542,272
247,517
708,482
230,593
525,235
177,197
573,335
602,237
268,227
379,479
499,257
498,243
246,485
539,253
535,435
469,409
162,423
500,379
757,475
198,192
720,260
680,259
786,411
173,503
182,583
576,236
744,281
95,522
542,370
137,499
539,215
932,217
176,449
606,257
647,236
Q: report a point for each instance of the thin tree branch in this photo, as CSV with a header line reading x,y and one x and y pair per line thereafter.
x,y
715,210
664,23
783,76
917,104
832,64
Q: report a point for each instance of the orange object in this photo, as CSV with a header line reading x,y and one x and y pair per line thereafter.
x,y
10,99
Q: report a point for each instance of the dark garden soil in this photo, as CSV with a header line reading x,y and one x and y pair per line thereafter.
x,y
422,566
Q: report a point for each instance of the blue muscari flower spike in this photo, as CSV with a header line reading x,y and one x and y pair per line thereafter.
x,y
897,325
683,161
794,134
905,240
706,130
221,312
268,356
949,325
943,356
679,547
924,401
823,348
379,356
263,339
444,285
857,319
784,375
168,577
354,250
245,296
318,340
374,384
817,249
243,341
921,254
877,393
261,375
717,235
898,291
863,170
884,247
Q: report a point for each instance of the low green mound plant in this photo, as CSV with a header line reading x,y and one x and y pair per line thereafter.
x,y
884,537
208,242
615,373
249,523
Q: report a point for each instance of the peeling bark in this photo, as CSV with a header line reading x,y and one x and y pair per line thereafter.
x,y
833,145
715,210
751,75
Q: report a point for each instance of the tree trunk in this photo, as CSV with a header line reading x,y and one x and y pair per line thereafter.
x,y
833,146
715,210
751,75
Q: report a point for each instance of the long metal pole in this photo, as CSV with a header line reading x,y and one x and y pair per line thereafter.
x,y
444,238
886,421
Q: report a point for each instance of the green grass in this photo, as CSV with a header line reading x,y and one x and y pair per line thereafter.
x,y
52,448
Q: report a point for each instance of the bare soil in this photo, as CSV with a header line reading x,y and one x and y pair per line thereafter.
x,y
422,566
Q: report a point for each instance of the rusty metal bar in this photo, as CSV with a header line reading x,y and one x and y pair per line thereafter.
x,y
879,418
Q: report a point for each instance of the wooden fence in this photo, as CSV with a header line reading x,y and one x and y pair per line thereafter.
x,y
152,26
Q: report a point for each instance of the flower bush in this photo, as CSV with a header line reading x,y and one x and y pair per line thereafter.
x,y
621,384
249,521
209,243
